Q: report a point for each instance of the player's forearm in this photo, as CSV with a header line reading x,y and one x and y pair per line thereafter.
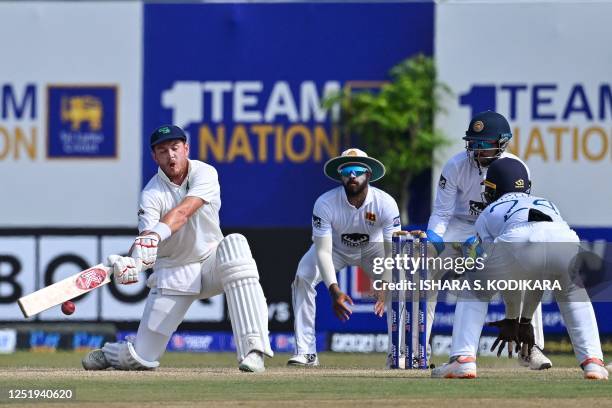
x,y
388,246
325,262
176,218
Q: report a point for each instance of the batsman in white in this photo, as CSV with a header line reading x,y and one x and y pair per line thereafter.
x,y
349,227
180,235
458,203
524,238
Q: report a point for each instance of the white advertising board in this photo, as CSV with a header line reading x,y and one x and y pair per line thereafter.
x,y
70,109
548,69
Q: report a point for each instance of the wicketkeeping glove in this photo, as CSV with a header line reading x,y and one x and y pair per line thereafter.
x,y
526,335
125,269
145,249
508,331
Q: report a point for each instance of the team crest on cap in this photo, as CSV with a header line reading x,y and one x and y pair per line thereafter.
x,y
351,153
164,130
478,126
520,183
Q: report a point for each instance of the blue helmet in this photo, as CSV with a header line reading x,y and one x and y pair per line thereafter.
x,y
488,130
504,176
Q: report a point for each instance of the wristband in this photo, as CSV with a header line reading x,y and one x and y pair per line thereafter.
x,y
163,230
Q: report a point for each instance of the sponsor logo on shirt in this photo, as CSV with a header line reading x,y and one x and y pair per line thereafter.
x,y
355,240
476,207
442,182
140,212
370,218
397,221
316,221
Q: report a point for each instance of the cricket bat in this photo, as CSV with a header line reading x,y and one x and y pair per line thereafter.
x,y
69,288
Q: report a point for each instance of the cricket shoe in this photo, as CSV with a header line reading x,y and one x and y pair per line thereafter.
x,y
457,367
536,360
594,369
95,360
304,360
253,363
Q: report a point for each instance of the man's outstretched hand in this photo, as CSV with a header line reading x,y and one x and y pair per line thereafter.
x,y
339,301
508,332
379,306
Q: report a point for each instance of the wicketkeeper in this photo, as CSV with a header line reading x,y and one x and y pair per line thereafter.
x,y
523,238
458,203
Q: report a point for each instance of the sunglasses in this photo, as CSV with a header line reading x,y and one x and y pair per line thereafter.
x,y
481,144
355,171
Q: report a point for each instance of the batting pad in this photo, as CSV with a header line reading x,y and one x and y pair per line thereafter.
x,y
249,315
234,259
122,356
245,299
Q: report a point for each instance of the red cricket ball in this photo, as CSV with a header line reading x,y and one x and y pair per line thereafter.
x,y
68,307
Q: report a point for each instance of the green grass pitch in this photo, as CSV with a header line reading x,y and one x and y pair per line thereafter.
x,y
213,379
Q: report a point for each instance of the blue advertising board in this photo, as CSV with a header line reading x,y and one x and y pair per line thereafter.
x,y
212,341
246,81
82,121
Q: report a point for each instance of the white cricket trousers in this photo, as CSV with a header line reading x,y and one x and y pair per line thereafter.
x,y
535,260
457,232
304,293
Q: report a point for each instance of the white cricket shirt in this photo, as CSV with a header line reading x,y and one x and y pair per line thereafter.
x,y
459,192
354,229
197,239
511,212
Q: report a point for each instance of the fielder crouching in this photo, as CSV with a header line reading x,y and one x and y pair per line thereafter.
x,y
180,234
352,224
523,237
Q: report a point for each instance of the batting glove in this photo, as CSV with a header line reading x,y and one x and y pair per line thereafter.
x,y
145,249
125,269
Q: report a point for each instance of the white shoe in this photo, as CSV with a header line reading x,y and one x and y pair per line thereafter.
x,y
594,369
304,360
536,360
457,367
253,363
95,360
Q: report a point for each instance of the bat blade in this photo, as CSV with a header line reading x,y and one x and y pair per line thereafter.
x,y
69,288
